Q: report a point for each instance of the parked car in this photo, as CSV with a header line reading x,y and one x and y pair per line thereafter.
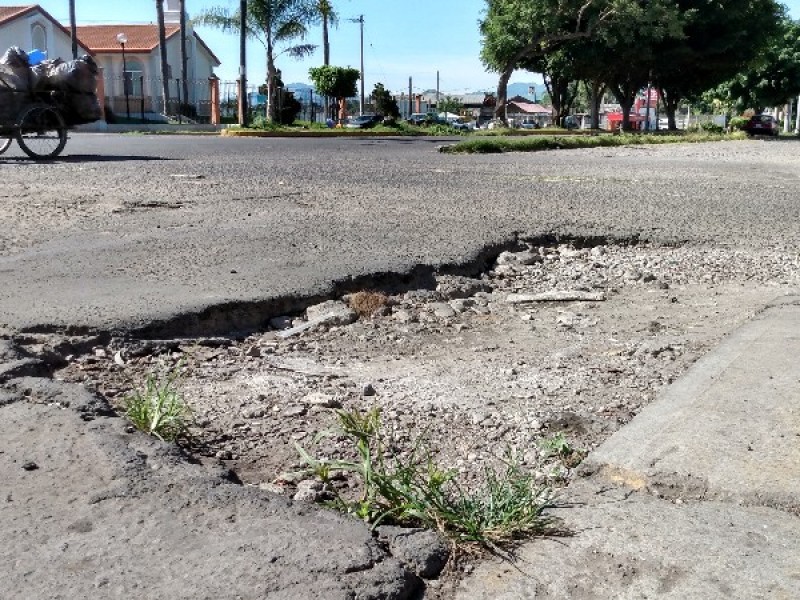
x,y
762,125
460,124
363,121
419,119
529,123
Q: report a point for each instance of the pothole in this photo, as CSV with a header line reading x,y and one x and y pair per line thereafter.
x,y
601,330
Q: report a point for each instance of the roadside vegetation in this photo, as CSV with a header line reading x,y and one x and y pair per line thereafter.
x,y
299,128
158,407
413,490
494,145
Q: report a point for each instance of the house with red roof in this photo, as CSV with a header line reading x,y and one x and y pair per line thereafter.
x,y
139,64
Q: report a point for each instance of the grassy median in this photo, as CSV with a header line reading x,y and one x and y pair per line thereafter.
x,y
498,144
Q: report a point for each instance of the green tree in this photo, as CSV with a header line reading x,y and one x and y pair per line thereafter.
x,y
720,40
326,16
276,24
774,78
449,104
516,32
336,82
385,104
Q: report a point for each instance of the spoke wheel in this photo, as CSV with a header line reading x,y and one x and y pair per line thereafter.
x,y
41,133
5,143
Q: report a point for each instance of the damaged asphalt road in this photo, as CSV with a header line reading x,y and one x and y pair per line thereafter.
x,y
179,236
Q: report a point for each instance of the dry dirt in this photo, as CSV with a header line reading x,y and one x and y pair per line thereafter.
x,y
472,372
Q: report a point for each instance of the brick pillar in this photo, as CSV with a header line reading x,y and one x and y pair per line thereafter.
x,y
101,92
213,83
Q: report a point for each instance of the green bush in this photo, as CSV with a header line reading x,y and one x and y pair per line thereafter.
x,y
737,123
710,127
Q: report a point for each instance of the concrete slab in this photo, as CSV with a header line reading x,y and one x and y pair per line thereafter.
x,y
644,547
729,429
696,498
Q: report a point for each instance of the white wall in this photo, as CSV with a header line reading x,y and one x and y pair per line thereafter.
x,y
19,32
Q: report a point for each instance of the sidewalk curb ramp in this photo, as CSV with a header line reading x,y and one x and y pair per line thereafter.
x,y
698,497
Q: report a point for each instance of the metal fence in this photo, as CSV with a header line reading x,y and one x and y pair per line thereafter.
x,y
138,97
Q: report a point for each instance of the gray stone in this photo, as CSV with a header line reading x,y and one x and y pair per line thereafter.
x,y
442,310
519,258
423,551
405,316
452,286
322,399
332,312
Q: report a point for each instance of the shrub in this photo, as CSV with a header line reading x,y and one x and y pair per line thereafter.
x,y
737,123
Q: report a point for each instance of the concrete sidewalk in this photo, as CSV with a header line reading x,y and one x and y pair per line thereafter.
x,y
698,497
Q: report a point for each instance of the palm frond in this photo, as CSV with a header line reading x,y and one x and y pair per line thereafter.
x,y
301,51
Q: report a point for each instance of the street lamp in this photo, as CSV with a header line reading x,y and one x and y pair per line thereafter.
x,y
123,39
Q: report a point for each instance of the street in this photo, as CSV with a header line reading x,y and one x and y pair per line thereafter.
x,y
126,230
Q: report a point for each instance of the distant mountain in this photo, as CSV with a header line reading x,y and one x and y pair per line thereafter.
x,y
299,87
524,89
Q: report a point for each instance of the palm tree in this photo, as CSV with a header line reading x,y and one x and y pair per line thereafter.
x,y
162,46
275,23
327,16
184,63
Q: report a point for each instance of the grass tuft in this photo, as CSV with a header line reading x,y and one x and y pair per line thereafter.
x,y
158,408
415,491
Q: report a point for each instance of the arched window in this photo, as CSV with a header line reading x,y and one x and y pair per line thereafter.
x,y
39,37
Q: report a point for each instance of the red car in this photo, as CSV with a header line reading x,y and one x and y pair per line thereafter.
x,y
762,125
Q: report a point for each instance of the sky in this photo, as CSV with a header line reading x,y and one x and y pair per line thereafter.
x,y
414,38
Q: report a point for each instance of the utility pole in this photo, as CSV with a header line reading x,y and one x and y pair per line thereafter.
x,y
73,30
360,21
437,91
410,99
243,63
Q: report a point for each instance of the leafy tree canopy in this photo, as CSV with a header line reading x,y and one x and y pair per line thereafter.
x,y
337,82
384,103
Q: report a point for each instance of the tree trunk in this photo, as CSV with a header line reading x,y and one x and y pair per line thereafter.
x,y
184,58
625,94
502,95
596,88
671,100
162,47
326,50
326,45
271,72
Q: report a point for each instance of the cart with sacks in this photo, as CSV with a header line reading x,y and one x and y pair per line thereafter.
x,y
39,103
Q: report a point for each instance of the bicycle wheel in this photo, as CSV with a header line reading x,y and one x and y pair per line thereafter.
x,y
41,133
5,143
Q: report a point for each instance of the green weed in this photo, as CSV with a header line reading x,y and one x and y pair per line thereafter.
x,y
158,408
415,491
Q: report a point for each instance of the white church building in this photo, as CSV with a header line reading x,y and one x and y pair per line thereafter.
x,y
31,26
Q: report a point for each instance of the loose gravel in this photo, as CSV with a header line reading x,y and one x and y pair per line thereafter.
x,y
476,366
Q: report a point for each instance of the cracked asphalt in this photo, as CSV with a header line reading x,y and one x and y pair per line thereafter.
x,y
127,230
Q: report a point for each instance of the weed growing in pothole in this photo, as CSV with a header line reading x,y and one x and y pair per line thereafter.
x,y
557,446
415,491
158,408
